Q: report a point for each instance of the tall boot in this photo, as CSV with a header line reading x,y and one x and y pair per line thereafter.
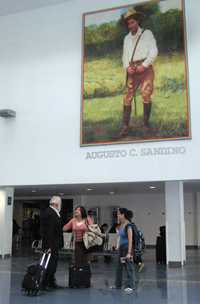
x,y
126,120
147,113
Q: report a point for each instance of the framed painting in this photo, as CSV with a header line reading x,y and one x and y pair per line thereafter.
x,y
134,74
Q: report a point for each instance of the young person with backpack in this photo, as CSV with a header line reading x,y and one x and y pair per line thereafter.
x,y
125,260
138,243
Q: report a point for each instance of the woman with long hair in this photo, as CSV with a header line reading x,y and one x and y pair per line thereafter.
x,y
125,260
79,225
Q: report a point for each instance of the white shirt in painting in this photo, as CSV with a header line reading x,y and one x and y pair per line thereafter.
x,y
146,48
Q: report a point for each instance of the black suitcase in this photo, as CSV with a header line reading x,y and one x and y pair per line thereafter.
x,y
79,277
34,276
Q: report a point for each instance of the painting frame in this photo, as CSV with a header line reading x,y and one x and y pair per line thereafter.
x,y
174,90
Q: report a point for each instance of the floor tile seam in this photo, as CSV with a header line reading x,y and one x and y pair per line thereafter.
x,y
10,272
170,280
141,280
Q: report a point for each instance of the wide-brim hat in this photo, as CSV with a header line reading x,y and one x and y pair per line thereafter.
x,y
132,13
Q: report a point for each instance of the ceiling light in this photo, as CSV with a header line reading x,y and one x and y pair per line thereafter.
x,y
111,192
33,191
152,187
89,189
61,193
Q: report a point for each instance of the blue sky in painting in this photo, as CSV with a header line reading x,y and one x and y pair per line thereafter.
x,y
98,18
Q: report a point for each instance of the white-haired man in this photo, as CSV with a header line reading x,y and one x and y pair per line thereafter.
x,y
52,239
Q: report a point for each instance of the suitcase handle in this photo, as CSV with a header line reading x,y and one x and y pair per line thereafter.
x,y
48,255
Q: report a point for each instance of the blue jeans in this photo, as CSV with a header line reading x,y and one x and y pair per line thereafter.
x,y
129,269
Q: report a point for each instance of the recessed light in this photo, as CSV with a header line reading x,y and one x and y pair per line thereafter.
x,y
152,187
34,191
89,189
111,192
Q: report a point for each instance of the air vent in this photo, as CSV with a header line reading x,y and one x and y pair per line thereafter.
x,y
7,113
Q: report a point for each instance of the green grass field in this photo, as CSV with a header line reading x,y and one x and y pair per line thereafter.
x,y
104,83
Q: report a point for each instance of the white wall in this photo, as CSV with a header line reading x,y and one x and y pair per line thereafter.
x,y
149,212
40,78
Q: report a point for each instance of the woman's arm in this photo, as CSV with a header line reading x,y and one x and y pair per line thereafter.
x,y
89,220
69,225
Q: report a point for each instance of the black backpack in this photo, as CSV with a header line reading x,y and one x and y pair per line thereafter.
x,y
138,240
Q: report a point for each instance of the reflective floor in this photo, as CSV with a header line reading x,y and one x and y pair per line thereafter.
x,y
157,283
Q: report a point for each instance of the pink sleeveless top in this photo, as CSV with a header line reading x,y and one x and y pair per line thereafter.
x,y
78,229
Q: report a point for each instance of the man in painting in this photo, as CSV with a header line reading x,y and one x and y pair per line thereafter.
x,y
139,53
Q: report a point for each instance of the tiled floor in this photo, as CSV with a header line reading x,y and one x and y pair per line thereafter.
x,y
157,284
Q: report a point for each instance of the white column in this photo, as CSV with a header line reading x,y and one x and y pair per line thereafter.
x,y
198,218
177,292
6,216
5,284
175,224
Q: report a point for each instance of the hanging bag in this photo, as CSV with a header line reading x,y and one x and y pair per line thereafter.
x,y
93,236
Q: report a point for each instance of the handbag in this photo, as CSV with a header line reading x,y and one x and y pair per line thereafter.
x,y
93,236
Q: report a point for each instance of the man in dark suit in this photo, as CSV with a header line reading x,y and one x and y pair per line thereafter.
x,y
52,238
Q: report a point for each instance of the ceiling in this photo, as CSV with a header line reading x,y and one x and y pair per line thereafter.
x,y
15,6
86,189
98,189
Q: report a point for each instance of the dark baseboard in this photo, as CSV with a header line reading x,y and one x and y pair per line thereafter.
x,y
192,247
187,247
5,256
173,264
150,246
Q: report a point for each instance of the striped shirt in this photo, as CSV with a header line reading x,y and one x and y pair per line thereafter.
x,y
79,228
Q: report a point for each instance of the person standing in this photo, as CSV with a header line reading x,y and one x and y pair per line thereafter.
x,y
90,216
36,227
125,259
52,239
79,225
139,53
137,258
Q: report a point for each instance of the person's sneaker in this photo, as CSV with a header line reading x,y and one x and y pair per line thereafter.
x,y
140,267
128,290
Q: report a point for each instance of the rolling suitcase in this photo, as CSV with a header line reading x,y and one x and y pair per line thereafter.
x,y
34,276
79,277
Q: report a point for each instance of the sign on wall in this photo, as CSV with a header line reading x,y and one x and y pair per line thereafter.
x,y
134,75
9,200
